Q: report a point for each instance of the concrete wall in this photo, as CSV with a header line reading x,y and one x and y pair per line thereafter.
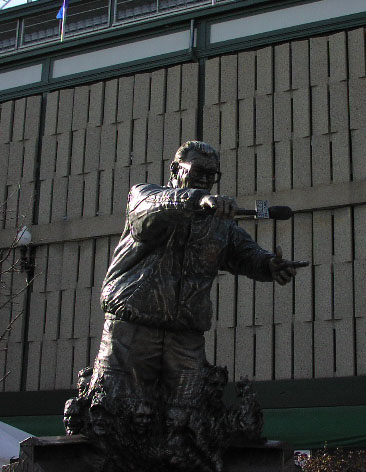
x,y
290,123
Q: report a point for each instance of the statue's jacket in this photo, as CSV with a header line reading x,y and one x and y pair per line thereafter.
x,y
168,256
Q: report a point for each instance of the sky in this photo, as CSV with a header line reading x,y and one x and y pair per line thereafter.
x,y
12,3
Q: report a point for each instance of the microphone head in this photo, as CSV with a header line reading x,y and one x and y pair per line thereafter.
x,y
280,212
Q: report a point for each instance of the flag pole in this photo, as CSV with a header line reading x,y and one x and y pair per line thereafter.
x,y
63,21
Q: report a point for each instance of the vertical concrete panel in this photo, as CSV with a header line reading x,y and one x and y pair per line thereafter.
x,y
155,173
361,345
282,116
137,174
283,294
227,301
264,353
173,88
189,97
158,90
32,117
96,314
265,71
6,121
189,125
52,315
359,288
155,136
139,141
246,74
228,125
338,56
12,206
120,191
225,349
141,95
19,119
4,157
36,316
321,163
65,107
264,119
45,199
323,292
283,165
263,304
39,283
92,149
323,349
15,165
59,198
360,231
320,109
343,235
81,107
48,365
211,125
344,348
357,103
64,354
78,151
303,281
93,350
100,261
283,351
70,265
30,159
229,78
300,64
48,157
110,101
75,196
265,168
228,170
246,171
301,163
63,154
318,60
67,313
245,303
86,263
14,366
341,163
171,135
105,192
301,113
82,312
124,143
244,352
356,53
54,267
210,345
33,368
343,290
108,146
91,194
125,98
338,100
303,350
51,113
212,81
246,122
96,104
282,67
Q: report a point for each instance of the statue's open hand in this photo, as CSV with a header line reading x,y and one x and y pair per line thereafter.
x,y
283,270
223,207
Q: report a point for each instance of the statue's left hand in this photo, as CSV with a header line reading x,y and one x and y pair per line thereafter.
x,y
282,270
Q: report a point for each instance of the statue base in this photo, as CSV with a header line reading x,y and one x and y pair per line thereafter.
x,y
78,454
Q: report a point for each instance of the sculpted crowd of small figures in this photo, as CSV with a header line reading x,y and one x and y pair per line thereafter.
x,y
155,433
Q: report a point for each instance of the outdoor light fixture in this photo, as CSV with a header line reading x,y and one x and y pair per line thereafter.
x,y
23,240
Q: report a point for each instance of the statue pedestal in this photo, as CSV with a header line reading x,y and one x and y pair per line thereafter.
x,y
77,454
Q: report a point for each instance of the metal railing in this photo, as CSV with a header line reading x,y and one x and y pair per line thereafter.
x,y
85,17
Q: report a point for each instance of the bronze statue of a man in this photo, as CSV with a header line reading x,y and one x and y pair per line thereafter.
x,y
156,294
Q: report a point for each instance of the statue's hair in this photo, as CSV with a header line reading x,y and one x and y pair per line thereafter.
x,y
198,146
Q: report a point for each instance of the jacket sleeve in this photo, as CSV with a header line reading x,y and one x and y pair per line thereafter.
x,y
245,257
152,209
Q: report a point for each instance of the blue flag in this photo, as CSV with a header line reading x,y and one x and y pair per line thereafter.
x,y
61,13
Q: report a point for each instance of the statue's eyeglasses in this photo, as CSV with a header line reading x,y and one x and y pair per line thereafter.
x,y
197,172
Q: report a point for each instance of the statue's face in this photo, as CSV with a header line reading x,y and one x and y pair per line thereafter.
x,y
73,423
100,420
197,171
142,419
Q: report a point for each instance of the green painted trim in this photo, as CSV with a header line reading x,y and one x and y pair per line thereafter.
x,y
303,428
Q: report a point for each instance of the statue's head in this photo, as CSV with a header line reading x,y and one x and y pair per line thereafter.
x,y
100,415
73,417
196,165
216,379
142,417
84,377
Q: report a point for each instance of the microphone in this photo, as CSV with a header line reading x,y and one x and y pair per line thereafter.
x,y
274,213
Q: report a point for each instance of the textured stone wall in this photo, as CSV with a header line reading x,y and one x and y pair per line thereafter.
x,y
290,123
